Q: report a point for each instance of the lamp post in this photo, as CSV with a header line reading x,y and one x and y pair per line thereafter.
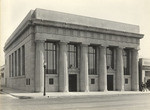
x,y
44,92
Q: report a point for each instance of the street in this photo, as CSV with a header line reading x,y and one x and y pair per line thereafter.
x,y
112,102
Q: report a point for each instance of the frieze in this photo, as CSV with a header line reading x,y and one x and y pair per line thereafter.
x,y
87,34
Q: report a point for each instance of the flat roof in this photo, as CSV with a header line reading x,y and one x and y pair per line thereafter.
x,y
83,20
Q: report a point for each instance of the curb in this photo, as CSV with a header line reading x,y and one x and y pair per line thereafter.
x,y
16,96
72,95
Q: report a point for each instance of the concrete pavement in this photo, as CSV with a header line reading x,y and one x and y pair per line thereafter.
x,y
26,95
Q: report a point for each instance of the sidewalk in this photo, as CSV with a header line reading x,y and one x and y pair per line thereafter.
x,y
26,95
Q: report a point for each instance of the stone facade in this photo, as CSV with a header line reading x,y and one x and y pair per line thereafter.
x,y
27,51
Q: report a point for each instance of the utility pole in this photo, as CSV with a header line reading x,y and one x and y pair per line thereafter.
x,y
44,92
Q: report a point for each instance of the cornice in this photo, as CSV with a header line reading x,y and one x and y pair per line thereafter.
x,y
85,28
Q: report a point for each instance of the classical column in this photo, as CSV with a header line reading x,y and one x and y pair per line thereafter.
x,y
134,71
120,72
84,79
63,67
39,67
102,69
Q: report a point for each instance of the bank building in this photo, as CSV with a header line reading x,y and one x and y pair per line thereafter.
x,y
76,53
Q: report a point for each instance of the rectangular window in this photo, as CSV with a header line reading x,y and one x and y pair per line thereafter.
x,y
51,81
15,63
19,62
27,81
12,61
51,57
110,57
10,65
92,60
23,60
72,56
92,81
126,61
126,81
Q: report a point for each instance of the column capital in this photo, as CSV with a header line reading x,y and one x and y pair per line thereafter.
x,y
63,43
135,49
121,47
85,43
104,45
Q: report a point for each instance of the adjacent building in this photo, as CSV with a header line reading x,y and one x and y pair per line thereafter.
x,y
144,70
76,53
2,75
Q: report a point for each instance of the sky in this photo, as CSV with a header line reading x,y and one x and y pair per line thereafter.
x,y
127,11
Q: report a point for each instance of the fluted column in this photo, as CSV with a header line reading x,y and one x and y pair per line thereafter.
x,y
63,67
39,67
134,71
102,69
84,83
120,71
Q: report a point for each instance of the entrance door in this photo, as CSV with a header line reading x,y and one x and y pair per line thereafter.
x,y
110,82
72,82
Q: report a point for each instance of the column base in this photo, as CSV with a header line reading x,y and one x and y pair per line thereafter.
x,y
104,90
119,89
65,91
86,91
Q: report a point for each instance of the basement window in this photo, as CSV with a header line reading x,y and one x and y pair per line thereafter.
x,y
92,81
27,81
126,81
51,81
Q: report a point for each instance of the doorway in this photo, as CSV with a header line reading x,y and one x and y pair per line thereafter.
x,y
72,82
110,82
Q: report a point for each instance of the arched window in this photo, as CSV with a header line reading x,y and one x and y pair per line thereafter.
x,y
110,57
92,60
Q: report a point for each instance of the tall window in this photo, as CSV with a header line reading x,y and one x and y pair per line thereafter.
x,y
92,60
51,58
12,61
126,61
23,60
10,66
15,63
19,62
110,57
72,56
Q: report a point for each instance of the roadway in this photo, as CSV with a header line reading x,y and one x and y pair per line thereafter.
x,y
108,102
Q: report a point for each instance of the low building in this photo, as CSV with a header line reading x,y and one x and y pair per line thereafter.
x,y
144,71
2,77
79,54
